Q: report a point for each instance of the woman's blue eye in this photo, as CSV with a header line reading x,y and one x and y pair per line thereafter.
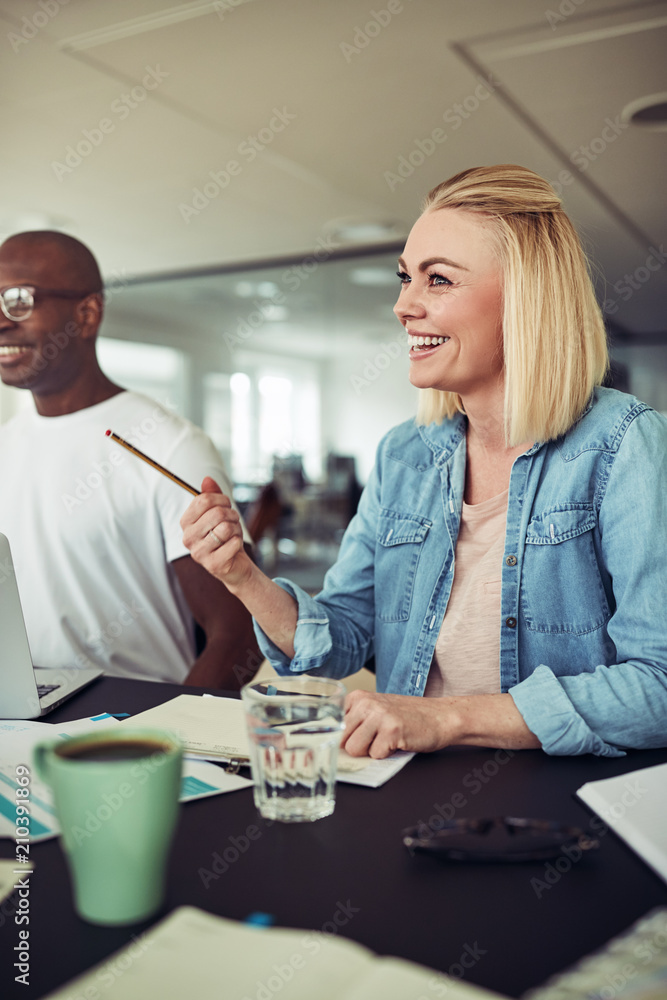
x,y
440,278
403,277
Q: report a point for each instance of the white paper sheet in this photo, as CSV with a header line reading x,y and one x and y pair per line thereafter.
x,y
17,742
634,805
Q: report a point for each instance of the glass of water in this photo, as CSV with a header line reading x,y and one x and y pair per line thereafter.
x,y
295,725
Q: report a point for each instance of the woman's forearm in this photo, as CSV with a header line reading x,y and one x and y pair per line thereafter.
x,y
274,610
490,720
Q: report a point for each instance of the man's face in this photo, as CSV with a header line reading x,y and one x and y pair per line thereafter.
x,y
39,353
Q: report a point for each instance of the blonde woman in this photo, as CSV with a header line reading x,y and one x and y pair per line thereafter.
x,y
507,564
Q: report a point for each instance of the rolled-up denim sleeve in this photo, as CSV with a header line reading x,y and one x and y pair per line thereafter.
x,y
622,704
312,642
551,715
334,633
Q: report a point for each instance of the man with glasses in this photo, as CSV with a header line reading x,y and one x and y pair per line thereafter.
x,y
104,576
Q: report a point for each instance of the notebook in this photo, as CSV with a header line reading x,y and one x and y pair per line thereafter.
x,y
27,692
634,805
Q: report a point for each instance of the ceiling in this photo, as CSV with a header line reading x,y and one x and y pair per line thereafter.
x,y
317,114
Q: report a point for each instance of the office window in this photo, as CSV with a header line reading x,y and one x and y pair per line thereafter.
x,y
217,413
275,418
243,430
274,413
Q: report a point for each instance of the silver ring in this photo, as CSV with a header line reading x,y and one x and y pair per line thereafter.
x,y
212,532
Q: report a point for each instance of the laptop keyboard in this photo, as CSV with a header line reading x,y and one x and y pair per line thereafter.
x,y
43,689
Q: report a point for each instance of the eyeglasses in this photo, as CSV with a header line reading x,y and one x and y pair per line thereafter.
x,y
500,839
18,301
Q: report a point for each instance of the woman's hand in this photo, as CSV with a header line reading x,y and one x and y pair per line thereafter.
x,y
212,532
380,724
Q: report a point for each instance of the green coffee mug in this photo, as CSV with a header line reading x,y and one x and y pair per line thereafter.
x,y
116,797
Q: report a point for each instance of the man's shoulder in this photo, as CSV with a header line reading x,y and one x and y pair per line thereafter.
x,y
143,416
137,405
16,425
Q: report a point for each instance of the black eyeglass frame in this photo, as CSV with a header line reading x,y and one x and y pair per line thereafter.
x,y
554,837
34,291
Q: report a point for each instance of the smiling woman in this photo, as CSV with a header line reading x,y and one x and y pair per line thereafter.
x,y
452,303
511,594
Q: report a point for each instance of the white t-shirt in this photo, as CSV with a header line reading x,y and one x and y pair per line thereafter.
x,y
93,531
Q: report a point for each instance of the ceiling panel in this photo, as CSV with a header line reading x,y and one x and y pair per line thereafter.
x,y
363,102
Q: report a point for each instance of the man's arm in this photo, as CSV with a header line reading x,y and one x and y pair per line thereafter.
x,y
231,656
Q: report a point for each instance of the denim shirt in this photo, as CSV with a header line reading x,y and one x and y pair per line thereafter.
x,y
583,631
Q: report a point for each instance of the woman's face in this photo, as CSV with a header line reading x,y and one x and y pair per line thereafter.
x,y
451,292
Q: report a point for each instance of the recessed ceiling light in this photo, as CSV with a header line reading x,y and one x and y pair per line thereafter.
x,y
24,221
358,230
247,289
275,314
647,112
373,277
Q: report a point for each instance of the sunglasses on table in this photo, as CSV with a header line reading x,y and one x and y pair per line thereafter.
x,y
499,839
18,301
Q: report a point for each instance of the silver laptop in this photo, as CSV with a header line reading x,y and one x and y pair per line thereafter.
x,y
25,691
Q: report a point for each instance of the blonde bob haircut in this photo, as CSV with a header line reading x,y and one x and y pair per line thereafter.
x,y
554,341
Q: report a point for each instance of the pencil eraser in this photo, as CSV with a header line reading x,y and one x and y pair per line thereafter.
x,y
107,433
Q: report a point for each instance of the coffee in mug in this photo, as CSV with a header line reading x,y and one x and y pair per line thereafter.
x,y
116,798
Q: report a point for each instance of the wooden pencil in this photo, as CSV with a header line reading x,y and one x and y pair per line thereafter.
x,y
156,465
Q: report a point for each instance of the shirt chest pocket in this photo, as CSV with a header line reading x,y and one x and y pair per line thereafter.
x,y
561,588
400,539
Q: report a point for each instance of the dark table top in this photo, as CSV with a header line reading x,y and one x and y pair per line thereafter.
x,y
505,927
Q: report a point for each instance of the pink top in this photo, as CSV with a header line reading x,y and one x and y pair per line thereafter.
x,y
467,652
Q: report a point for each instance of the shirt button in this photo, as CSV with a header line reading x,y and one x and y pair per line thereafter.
x,y
510,622
511,560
